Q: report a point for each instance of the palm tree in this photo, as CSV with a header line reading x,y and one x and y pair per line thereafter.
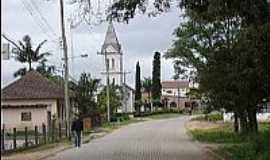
x,y
147,85
45,70
24,53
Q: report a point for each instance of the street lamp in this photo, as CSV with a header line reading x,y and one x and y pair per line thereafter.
x,y
80,56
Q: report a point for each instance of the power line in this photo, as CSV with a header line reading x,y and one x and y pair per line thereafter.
x,y
41,26
42,17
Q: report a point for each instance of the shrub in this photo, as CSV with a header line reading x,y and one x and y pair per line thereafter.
x,y
209,117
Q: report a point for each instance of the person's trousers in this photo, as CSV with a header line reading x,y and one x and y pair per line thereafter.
x,y
77,139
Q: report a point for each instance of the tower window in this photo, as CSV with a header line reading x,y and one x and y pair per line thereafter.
x,y
108,63
112,63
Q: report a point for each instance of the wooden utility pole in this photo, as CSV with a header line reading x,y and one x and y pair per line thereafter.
x,y
62,17
107,88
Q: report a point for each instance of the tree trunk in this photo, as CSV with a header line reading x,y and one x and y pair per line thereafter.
x,y
252,119
30,65
236,124
243,123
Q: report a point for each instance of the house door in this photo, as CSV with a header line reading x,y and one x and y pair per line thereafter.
x,y
49,119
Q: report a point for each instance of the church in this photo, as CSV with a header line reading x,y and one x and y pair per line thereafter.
x,y
113,57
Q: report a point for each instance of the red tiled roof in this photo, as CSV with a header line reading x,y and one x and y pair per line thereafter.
x,y
175,84
33,86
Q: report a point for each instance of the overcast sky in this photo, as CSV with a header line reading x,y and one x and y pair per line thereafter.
x,y
139,39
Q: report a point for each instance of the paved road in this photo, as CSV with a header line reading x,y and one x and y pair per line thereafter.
x,y
151,140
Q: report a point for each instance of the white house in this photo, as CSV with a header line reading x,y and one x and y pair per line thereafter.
x,y
113,57
174,94
32,100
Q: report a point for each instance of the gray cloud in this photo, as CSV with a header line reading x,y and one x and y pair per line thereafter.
x,y
139,39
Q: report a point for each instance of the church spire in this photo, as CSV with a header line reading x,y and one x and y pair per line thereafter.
x,y
111,38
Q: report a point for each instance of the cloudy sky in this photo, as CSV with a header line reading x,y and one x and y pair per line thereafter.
x,y
139,39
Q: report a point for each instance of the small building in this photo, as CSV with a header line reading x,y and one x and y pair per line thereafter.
x,y
175,95
33,100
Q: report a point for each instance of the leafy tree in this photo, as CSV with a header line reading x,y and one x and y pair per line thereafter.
x,y
147,86
85,94
138,93
223,45
115,99
25,53
156,85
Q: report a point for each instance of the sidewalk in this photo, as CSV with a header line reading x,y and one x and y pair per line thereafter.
x,y
47,150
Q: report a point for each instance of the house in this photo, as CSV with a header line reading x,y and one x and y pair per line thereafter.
x,y
32,100
175,95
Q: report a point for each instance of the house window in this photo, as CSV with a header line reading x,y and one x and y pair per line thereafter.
x,y
169,92
26,116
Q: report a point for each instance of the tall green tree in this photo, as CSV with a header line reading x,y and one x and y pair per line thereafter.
x,y
156,84
138,93
115,99
25,53
86,90
147,86
222,43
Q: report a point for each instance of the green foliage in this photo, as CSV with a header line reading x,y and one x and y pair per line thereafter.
x,y
119,117
214,117
229,51
85,94
147,86
156,85
163,111
115,99
138,87
237,146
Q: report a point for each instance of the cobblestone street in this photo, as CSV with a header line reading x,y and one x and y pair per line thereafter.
x,y
151,140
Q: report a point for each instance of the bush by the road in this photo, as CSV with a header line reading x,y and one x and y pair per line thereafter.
x,y
213,117
236,146
163,111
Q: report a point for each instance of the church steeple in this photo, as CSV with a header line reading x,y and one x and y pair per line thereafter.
x,y
111,43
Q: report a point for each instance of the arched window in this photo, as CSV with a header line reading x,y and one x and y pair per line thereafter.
x,y
112,63
108,63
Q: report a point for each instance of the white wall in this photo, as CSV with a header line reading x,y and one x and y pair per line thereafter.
x,y
174,92
228,117
117,68
11,117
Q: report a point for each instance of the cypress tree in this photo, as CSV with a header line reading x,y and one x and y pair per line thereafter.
x,y
138,94
156,85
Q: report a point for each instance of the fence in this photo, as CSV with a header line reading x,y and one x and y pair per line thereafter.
x,y
29,136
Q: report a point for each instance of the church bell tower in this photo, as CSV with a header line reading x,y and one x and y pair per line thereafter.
x,y
111,48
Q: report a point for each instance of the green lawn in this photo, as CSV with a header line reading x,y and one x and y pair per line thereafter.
x,y
235,146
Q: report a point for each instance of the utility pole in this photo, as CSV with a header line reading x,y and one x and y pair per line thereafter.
x,y
107,88
62,18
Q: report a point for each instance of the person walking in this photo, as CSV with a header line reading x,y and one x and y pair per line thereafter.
x,y
77,127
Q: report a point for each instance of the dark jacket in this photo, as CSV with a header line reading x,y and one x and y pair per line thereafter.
x,y
77,125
